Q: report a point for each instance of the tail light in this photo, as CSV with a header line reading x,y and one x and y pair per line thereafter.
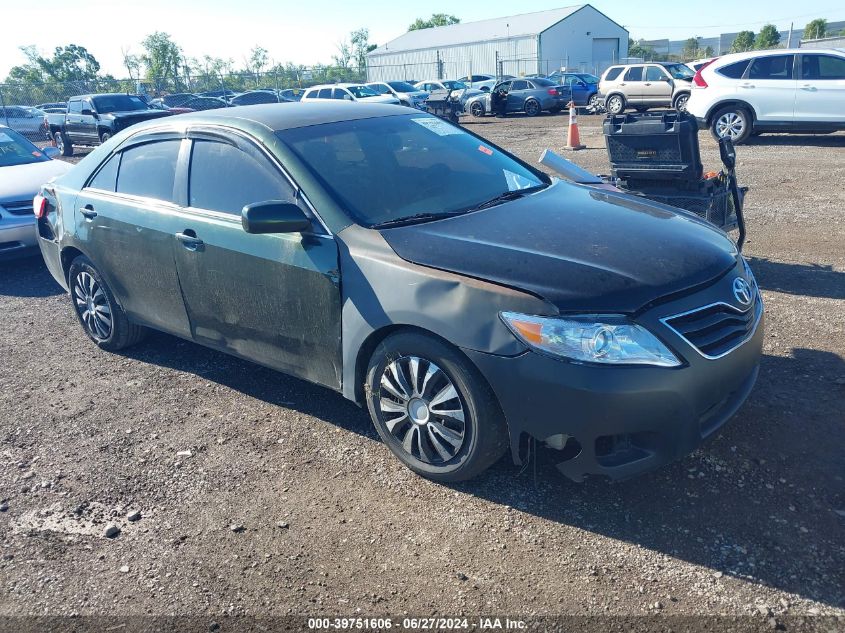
x,y
553,92
39,206
698,80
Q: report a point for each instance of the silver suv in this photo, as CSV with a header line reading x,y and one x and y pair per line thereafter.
x,y
644,86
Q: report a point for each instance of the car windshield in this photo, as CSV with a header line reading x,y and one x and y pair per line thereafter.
x,y
362,92
401,86
396,168
16,150
454,85
588,79
118,103
679,71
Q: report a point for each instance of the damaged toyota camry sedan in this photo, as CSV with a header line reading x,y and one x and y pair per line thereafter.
x,y
468,300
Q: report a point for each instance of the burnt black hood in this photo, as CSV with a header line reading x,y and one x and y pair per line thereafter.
x,y
580,248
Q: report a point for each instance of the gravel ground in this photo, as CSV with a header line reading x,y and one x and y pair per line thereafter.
x,y
237,490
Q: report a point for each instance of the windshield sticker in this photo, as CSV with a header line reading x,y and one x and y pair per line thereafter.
x,y
517,182
36,153
438,126
485,150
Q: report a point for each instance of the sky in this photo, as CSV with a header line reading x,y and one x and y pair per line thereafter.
x,y
308,32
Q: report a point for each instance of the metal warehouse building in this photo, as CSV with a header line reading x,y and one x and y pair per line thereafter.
x,y
576,38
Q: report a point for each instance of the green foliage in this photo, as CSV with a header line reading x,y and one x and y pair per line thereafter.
x,y
163,60
639,49
744,42
769,37
437,19
690,50
815,29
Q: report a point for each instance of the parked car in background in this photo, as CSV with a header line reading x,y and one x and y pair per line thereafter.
x,y
407,94
25,120
483,82
530,96
347,92
644,86
254,97
205,103
292,94
94,119
784,90
23,169
397,261
458,87
220,94
46,107
177,99
583,86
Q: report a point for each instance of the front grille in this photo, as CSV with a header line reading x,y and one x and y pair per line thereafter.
x,y
18,207
717,329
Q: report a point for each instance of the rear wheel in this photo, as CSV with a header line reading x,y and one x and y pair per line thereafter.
x,y
733,122
615,104
680,103
63,143
102,318
594,100
433,409
532,107
476,109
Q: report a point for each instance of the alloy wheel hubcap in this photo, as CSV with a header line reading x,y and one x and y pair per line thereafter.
x,y
92,305
731,125
422,409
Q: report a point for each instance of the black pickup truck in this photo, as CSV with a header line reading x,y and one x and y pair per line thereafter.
x,y
93,119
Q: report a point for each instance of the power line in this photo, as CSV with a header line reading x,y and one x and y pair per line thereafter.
x,y
719,26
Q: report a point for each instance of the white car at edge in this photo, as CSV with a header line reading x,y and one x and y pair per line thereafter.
x,y
783,90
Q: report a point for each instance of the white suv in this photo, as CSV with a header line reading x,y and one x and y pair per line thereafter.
x,y
347,92
794,90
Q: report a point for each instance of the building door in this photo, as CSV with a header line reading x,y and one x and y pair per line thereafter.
x,y
605,51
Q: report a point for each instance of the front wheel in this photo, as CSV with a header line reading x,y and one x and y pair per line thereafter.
x,y
102,318
680,103
532,108
104,136
476,109
433,409
731,122
615,104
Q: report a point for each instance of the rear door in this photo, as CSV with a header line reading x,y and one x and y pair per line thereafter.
x,y
820,97
657,87
274,299
125,219
632,84
770,87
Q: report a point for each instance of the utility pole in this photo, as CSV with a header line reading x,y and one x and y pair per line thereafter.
x,y
789,37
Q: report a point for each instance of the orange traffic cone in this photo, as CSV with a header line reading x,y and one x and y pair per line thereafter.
x,y
573,138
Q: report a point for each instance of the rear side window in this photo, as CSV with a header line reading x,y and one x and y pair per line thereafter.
x,y
325,93
772,67
519,85
106,178
735,70
613,73
635,73
822,67
225,178
149,170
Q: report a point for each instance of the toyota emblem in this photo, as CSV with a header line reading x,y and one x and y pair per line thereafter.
x,y
742,291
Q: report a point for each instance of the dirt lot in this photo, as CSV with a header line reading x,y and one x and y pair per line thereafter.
x,y
264,495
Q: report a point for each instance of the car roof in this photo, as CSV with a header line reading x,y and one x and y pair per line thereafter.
x,y
284,116
732,57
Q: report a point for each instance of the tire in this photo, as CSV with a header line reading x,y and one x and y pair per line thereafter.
x,y
63,143
680,102
476,109
532,107
615,104
594,100
442,448
104,136
107,324
732,121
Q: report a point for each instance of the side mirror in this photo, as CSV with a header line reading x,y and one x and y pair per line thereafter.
x,y
347,98
51,152
274,216
727,152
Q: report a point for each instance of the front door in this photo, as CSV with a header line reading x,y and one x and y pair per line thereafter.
x,y
770,88
820,97
657,87
274,299
88,121
125,220
516,95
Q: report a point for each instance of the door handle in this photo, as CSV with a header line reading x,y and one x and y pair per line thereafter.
x,y
88,212
809,88
746,85
190,240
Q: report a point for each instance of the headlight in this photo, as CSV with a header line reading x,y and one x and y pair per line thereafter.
x,y
602,339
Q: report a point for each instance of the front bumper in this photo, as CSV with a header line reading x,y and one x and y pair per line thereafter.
x,y
17,236
624,420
